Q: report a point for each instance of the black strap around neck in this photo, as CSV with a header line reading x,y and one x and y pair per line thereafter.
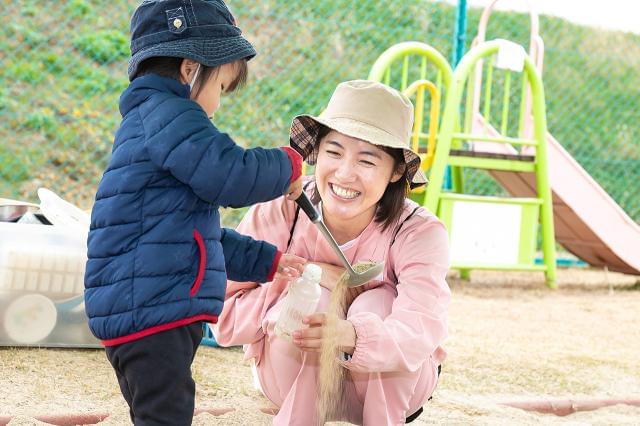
x,y
295,219
297,214
397,231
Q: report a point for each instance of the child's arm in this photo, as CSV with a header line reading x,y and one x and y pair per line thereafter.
x,y
257,261
247,259
217,170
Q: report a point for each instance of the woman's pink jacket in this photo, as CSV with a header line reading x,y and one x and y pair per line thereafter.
x,y
416,263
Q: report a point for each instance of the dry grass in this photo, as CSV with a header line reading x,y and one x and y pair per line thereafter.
x,y
511,339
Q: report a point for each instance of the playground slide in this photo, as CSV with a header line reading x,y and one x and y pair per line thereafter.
x,y
587,221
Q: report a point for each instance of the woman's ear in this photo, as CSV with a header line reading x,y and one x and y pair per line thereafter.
x,y
187,68
398,173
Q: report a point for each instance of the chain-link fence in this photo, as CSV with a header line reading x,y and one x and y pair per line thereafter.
x,y
63,67
592,90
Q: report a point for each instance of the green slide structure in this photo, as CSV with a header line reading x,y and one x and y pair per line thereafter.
x,y
499,233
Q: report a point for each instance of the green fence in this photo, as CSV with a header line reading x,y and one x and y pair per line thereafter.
x,y
63,66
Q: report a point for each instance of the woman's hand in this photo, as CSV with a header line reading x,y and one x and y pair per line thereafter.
x,y
310,339
330,275
290,267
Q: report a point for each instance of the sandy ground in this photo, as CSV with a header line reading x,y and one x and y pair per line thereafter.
x,y
512,339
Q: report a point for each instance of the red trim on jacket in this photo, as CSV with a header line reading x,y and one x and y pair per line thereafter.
x,y
201,264
158,328
274,266
296,162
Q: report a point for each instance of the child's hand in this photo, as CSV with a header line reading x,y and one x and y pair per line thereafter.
x,y
294,190
290,267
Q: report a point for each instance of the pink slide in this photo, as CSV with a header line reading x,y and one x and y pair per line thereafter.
x,y
587,221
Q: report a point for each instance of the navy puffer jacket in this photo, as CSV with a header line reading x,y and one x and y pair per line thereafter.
x,y
157,256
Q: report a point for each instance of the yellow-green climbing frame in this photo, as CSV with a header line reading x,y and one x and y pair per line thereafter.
x,y
448,135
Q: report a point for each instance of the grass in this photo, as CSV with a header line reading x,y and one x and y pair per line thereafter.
x,y
62,70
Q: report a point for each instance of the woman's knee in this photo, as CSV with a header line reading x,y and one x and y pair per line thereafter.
x,y
378,301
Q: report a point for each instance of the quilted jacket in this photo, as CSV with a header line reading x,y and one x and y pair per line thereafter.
x,y
157,255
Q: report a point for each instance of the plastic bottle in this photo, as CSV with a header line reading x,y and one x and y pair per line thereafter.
x,y
302,300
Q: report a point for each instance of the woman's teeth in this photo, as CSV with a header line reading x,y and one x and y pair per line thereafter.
x,y
344,192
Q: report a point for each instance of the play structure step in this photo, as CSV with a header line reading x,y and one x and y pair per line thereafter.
x,y
492,155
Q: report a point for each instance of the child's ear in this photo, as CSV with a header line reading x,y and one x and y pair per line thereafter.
x,y
187,68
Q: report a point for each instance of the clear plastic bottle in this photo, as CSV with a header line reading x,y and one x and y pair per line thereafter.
x,y
302,300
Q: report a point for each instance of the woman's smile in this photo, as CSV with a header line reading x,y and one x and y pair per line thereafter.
x,y
343,192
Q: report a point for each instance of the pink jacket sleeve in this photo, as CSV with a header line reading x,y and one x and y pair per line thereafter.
x,y
417,324
246,304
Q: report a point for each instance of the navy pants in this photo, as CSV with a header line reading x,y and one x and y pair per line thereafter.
x,y
154,374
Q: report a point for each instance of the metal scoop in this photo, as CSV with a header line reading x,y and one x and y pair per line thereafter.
x,y
355,278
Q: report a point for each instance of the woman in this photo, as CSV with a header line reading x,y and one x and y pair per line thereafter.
x,y
395,325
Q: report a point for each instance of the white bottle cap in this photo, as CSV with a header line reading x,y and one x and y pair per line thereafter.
x,y
312,272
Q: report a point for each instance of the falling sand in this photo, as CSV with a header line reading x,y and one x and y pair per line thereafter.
x,y
331,403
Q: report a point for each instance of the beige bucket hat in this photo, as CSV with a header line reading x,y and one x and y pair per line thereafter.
x,y
365,110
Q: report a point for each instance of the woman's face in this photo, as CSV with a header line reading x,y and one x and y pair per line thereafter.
x,y
351,176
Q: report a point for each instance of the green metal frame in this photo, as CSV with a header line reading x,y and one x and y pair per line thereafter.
x,y
380,71
449,137
402,53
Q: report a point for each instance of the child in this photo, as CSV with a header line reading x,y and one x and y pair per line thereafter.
x,y
158,258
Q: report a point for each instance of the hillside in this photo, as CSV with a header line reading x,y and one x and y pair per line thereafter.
x,y
62,70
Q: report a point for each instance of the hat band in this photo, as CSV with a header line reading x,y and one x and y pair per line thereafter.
x,y
364,131
202,32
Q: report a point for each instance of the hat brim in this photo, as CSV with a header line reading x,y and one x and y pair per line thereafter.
x,y
207,51
304,134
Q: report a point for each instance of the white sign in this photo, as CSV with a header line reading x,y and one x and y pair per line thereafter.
x,y
485,233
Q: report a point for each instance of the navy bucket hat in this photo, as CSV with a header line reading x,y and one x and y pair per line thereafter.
x,y
202,30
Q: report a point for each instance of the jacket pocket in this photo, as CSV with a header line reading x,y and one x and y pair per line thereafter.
x,y
201,263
